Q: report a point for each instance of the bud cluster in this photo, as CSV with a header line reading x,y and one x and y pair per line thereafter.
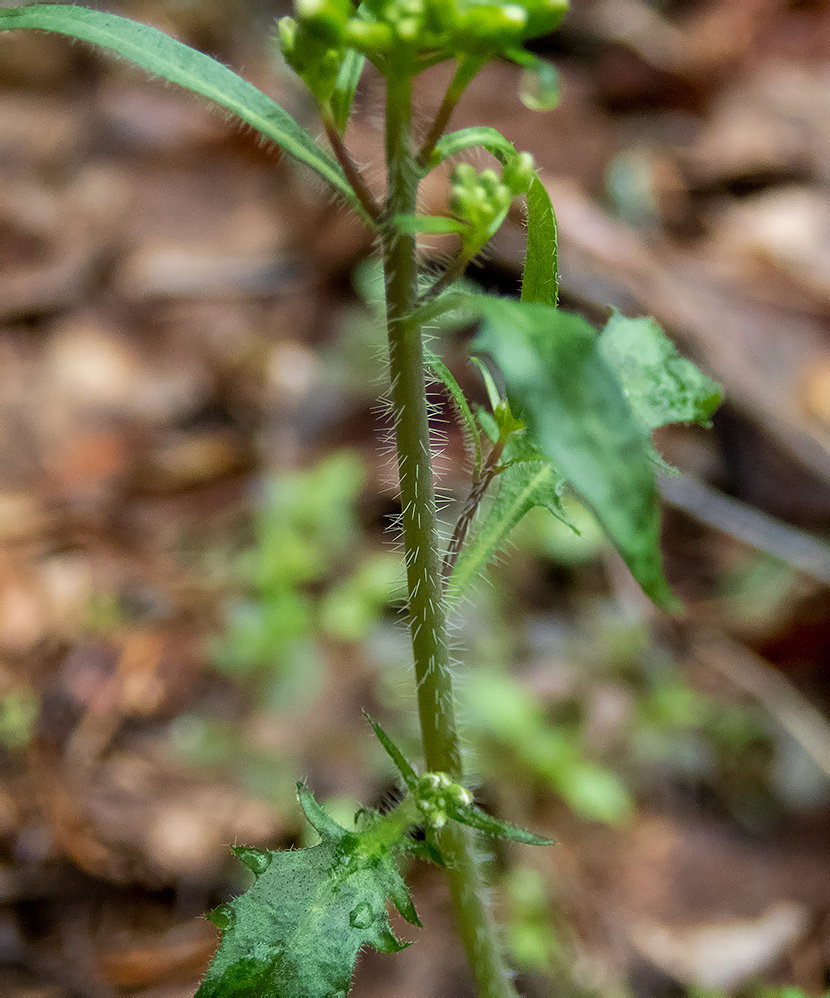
x,y
482,200
437,797
314,41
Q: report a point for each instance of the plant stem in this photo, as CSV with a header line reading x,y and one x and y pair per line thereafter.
x,y
349,167
427,619
467,69
471,504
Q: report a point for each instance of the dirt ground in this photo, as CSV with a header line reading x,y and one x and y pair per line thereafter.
x,y
180,337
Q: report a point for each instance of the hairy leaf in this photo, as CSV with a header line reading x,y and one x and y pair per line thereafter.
x,y
467,419
467,138
495,827
522,486
540,278
178,63
661,385
296,932
559,382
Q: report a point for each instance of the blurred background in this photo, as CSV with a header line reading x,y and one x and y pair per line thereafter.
x,y
199,591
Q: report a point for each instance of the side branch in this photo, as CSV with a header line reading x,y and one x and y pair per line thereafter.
x,y
470,507
349,167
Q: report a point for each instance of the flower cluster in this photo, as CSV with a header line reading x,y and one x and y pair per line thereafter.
x,y
438,798
482,200
388,31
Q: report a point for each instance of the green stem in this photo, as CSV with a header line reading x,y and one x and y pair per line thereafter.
x,y
427,618
468,67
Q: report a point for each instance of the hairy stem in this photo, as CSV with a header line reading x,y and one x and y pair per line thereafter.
x,y
349,167
427,618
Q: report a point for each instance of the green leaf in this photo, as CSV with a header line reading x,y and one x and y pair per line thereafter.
x,y
540,278
296,932
467,138
345,87
522,486
559,382
405,768
661,385
467,419
495,827
178,63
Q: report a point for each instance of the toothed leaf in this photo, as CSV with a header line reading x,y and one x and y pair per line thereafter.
x,y
661,385
521,486
559,382
296,932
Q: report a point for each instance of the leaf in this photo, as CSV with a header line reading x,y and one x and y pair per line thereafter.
x,y
405,768
522,486
467,138
467,419
178,63
345,87
540,278
495,827
559,382
661,385
296,932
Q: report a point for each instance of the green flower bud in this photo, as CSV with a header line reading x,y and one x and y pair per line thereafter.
x,y
369,37
461,794
312,60
492,27
543,16
324,19
438,820
518,174
408,29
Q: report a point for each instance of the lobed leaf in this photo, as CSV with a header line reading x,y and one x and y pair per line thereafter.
x,y
178,63
559,382
296,932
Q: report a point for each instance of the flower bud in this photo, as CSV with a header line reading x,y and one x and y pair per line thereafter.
x,y
369,37
518,173
492,27
324,19
543,16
